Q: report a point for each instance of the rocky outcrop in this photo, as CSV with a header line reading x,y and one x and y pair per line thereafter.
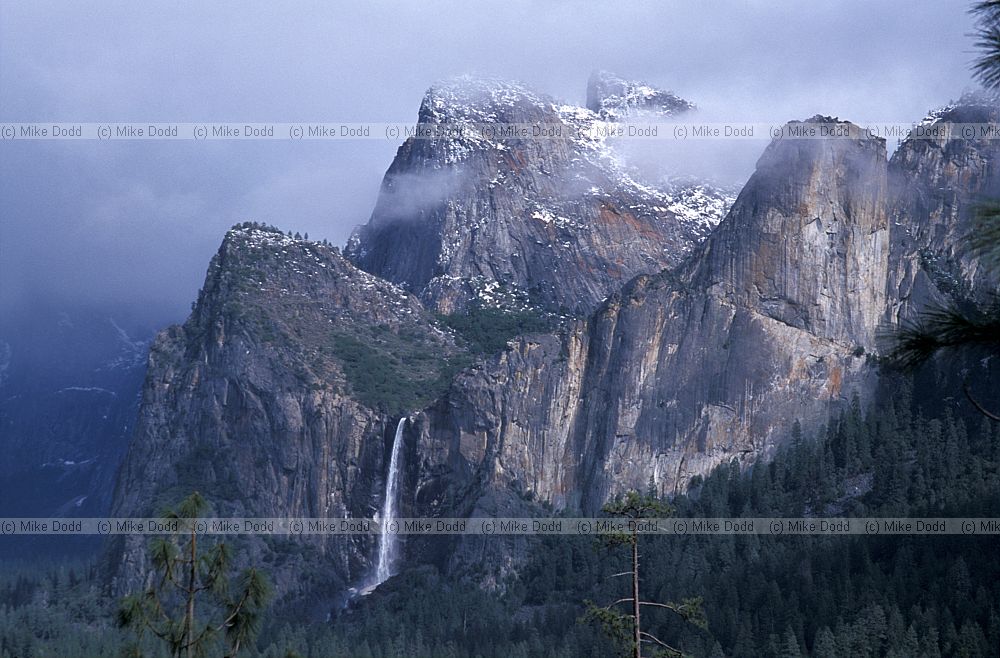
x,y
259,400
615,98
517,222
509,422
807,242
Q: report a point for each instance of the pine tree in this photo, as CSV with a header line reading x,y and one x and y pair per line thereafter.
x,y
189,603
825,645
987,65
626,629
790,645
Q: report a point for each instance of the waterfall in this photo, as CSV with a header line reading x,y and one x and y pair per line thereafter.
x,y
388,544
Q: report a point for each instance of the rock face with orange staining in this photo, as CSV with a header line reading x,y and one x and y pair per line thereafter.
x,y
773,318
688,368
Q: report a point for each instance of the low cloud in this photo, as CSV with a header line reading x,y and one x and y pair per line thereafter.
x,y
138,221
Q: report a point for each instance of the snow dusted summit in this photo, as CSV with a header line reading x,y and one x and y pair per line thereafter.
x,y
554,224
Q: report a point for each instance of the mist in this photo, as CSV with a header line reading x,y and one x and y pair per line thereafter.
x,y
135,223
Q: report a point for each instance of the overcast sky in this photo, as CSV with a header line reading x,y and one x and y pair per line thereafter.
x,y
136,222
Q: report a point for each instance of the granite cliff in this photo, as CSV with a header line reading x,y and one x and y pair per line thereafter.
x,y
278,397
937,181
280,394
769,320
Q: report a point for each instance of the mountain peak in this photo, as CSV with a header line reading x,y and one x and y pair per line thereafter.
x,y
614,97
551,223
255,232
478,99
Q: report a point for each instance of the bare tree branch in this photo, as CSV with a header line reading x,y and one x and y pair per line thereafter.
x,y
979,407
648,637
